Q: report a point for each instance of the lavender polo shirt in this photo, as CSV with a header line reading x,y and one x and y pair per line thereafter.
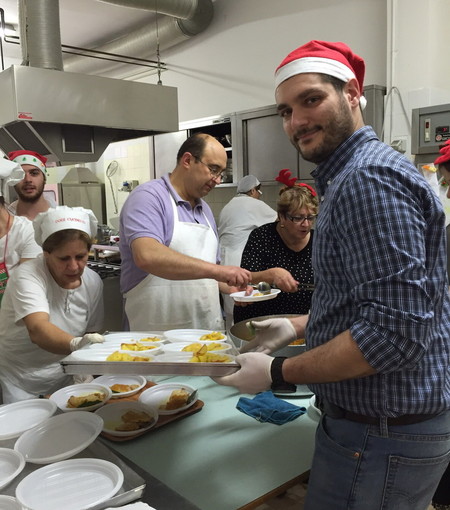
x,y
148,212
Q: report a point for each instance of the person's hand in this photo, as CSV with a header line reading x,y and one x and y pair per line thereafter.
x,y
235,276
89,338
253,376
283,280
271,335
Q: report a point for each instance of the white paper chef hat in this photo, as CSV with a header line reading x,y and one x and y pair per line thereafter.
x,y
63,218
247,183
10,173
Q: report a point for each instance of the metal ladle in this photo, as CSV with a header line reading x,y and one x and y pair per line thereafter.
x,y
264,288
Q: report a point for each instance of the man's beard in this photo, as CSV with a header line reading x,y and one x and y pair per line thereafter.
x,y
30,199
339,127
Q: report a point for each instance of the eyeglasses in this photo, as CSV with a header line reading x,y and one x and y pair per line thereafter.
x,y
301,219
215,171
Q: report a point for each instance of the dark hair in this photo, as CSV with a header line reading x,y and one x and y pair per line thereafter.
x,y
294,198
195,144
58,239
336,82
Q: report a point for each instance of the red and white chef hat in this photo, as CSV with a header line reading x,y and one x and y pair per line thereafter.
x,y
332,58
24,157
63,218
445,154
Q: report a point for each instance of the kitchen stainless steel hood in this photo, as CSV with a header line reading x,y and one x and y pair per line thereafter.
x,y
72,117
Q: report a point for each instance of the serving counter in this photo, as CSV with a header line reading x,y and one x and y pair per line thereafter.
x,y
220,458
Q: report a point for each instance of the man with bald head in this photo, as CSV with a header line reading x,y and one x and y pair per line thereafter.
x,y
169,245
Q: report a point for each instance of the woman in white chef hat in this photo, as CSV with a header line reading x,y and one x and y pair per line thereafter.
x,y
17,242
51,306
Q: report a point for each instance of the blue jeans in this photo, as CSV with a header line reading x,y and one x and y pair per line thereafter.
x,y
377,467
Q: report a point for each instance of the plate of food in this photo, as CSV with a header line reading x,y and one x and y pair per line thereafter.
x,y
194,335
81,397
122,385
109,355
132,336
126,419
196,346
255,296
18,417
70,484
60,437
169,398
11,464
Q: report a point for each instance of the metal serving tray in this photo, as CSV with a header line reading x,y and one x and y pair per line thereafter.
x,y
132,488
76,366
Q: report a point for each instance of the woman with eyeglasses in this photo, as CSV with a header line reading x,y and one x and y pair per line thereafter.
x,y
279,253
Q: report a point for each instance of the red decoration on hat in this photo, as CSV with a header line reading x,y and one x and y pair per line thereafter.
x,y
285,178
13,155
445,151
332,58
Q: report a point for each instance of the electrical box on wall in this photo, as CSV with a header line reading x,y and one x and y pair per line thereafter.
x,y
430,129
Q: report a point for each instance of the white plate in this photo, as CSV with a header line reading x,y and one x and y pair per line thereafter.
x,y
101,355
301,391
184,357
112,417
158,395
59,437
312,404
11,464
151,347
20,416
61,396
242,298
190,335
109,380
129,336
70,485
179,346
9,503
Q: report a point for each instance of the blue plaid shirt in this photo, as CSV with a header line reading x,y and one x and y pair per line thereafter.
x,y
380,269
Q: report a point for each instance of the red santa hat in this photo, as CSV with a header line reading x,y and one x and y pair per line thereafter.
x,y
445,154
332,58
29,158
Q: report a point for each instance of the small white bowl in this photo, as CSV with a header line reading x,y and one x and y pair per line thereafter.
x,y
112,417
11,464
129,380
157,397
62,396
145,352
190,335
179,346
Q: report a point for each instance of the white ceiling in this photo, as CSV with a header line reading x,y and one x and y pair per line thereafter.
x,y
84,23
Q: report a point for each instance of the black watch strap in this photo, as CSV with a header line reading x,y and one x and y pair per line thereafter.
x,y
278,383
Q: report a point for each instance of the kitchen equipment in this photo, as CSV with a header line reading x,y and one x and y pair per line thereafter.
x,y
240,333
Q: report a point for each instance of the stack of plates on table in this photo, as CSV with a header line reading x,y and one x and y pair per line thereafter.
x,y
73,484
21,416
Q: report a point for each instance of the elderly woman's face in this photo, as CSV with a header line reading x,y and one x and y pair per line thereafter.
x,y
298,223
66,263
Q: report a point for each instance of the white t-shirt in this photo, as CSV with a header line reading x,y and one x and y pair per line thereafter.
x,y
21,243
237,219
26,370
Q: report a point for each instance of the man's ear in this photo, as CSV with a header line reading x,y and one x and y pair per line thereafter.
x,y
186,159
352,92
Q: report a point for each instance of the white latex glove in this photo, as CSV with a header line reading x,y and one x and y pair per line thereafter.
x,y
253,376
89,338
271,335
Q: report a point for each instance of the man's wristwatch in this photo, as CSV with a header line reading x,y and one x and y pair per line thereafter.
x,y
279,385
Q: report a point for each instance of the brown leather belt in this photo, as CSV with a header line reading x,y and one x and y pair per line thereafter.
x,y
334,411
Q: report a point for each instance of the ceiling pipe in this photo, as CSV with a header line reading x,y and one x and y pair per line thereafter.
x,y
181,20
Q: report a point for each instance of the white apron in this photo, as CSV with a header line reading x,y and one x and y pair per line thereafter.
x,y
157,304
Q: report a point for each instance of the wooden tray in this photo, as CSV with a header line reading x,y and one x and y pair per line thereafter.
x,y
162,419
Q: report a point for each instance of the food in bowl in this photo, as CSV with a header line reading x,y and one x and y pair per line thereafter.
x,y
123,356
123,388
80,401
215,335
210,357
134,420
151,339
136,346
177,399
299,341
214,346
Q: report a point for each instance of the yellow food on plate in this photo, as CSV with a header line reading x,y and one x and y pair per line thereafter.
x,y
215,335
134,420
123,356
90,399
150,339
210,358
123,388
299,341
214,346
257,294
177,399
136,347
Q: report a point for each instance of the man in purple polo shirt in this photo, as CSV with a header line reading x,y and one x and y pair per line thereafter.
x,y
169,245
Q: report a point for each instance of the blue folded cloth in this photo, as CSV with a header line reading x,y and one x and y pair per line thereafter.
x,y
266,407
